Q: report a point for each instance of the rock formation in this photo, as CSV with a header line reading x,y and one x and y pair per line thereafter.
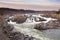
x,y
19,18
53,24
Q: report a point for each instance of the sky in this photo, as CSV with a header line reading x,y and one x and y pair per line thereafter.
x,y
32,1
49,4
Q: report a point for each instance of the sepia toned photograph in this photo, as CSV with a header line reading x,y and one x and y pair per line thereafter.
x,y
29,19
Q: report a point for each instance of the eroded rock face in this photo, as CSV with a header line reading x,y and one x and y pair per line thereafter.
x,y
19,18
53,24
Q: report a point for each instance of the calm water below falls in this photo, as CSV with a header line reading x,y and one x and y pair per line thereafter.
x,y
27,28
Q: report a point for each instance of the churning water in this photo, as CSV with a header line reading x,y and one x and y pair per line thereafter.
x,y
27,28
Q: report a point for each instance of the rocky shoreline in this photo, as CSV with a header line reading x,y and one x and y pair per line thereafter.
x,y
53,24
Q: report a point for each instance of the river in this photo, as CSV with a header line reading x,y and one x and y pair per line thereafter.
x,y
27,28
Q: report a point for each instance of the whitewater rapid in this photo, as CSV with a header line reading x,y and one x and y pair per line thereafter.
x,y
27,28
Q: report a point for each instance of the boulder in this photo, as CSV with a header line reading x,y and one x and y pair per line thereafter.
x,y
19,18
19,36
41,19
53,24
40,26
38,19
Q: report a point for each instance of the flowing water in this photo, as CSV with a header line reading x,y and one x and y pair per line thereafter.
x,y
27,28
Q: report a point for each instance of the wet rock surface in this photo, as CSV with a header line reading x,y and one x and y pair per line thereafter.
x,y
53,24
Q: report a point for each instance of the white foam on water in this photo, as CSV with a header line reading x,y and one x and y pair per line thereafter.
x,y
27,29
31,19
11,22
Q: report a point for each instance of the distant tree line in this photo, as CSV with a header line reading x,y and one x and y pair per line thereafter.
x,y
58,12
1,12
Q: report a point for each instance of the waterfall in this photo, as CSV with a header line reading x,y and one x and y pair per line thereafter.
x,y
30,19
